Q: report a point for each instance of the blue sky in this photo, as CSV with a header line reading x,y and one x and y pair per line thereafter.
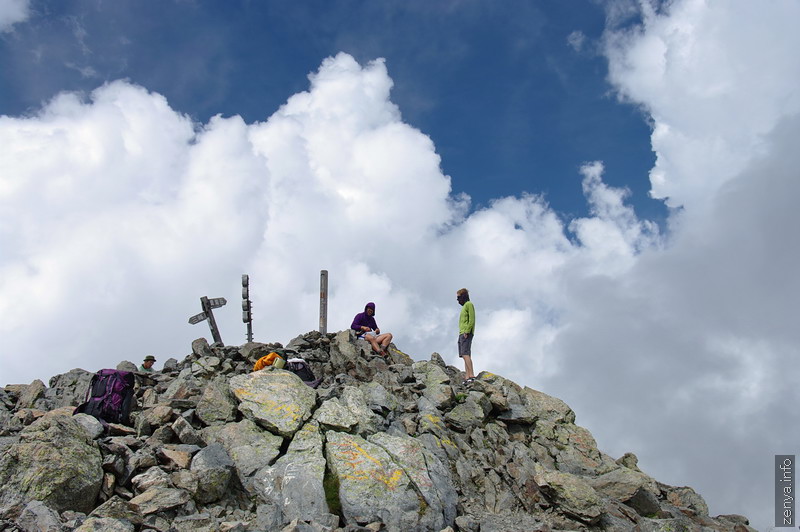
x,y
615,182
510,104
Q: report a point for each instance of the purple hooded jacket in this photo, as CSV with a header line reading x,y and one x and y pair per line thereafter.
x,y
363,319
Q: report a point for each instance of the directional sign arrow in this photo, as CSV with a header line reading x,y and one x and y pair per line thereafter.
x,y
217,302
197,318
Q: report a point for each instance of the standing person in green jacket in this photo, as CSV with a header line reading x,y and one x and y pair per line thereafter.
x,y
466,330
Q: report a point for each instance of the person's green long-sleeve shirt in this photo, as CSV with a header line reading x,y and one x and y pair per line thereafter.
x,y
466,321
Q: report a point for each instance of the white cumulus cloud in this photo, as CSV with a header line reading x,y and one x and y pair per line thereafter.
x,y
13,12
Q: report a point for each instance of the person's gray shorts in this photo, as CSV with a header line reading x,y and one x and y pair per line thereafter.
x,y
465,345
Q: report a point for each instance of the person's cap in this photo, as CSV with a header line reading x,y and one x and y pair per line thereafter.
x,y
149,357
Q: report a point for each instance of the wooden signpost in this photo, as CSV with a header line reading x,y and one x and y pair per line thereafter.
x,y
207,314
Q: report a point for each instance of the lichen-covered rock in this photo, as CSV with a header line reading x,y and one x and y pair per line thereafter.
x,y
32,393
249,446
213,468
430,477
56,462
686,497
332,414
372,487
548,407
275,399
356,402
105,524
294,485
622,484
472,412
216,405
436,383
157,500
69,389
573,494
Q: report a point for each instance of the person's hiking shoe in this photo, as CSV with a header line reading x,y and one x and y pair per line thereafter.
x,y
469,381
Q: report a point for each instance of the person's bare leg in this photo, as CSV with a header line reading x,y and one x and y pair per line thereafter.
x,y
385,339
468,367
373,342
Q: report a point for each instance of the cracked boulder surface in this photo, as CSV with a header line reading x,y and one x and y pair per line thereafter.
x,y
395,443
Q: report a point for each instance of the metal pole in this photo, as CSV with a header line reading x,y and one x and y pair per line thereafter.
x,y
323,301
212,323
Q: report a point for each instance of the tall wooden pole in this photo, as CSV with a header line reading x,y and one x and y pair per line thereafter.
x,y
323,301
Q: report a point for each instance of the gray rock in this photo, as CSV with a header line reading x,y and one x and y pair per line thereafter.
x,y
155,477
105,524
185,432
379,400
294,485
170,365
686,497
430,476
117,508
251,447
548,407
275,399
195,523
372,487
644,502
69,389
332,414
356,402
573,494
623,483
201,348
213,468
472,412
216,405
37,516
94,429
436,383
55,462
206,366
31,394
126,365
157,500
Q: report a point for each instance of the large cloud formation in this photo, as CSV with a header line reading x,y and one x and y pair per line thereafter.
x,y
117,213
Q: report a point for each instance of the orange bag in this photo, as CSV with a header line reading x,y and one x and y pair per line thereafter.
x,y
268,360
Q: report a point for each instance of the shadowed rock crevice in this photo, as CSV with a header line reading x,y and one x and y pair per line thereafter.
x,y
383,444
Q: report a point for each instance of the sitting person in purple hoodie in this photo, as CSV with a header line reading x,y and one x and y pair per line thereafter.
x,y
364,324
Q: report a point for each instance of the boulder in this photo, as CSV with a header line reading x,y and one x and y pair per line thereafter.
x,y
38,516
574,495
56,462
294,485
275,399
69,389
31,394
250,447
372,487
332,414
429,475
213,468
216,405
157,500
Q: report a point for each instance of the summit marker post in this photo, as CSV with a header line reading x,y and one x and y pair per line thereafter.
x,y
323,301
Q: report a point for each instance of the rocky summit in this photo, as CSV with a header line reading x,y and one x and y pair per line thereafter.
x,y
382,444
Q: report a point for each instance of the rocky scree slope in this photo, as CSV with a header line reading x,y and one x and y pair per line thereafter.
x,y
382,444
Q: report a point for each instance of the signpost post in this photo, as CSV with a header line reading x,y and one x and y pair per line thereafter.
x,y
207,314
